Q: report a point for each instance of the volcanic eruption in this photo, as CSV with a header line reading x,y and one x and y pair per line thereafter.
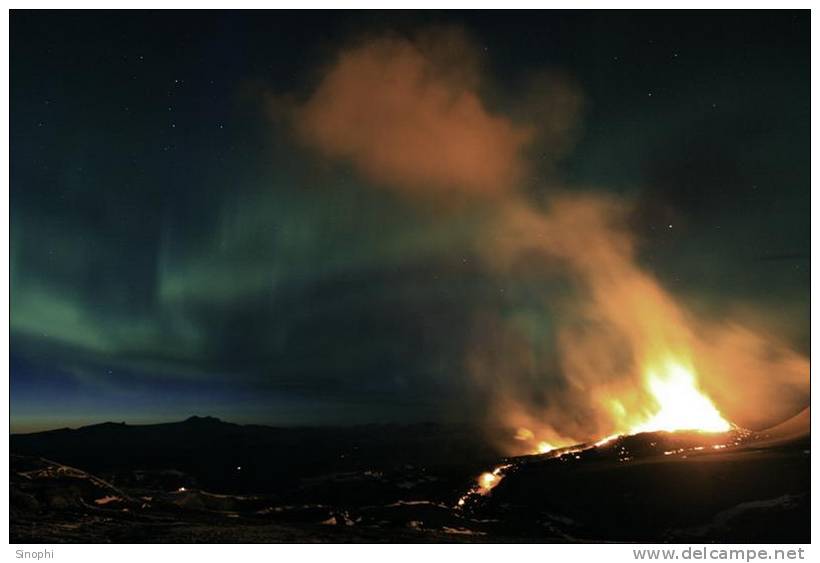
x,y
620,354
631,358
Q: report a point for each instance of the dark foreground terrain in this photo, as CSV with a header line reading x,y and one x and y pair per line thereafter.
x,y
204,480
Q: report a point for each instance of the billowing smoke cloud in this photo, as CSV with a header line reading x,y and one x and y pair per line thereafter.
x,y
409,116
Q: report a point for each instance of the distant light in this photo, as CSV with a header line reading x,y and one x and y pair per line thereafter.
x,y
181,490
239,468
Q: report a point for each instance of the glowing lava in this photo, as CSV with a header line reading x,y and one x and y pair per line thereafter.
x,y
488,481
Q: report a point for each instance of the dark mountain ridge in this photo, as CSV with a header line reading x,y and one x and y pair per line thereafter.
x,y
227,457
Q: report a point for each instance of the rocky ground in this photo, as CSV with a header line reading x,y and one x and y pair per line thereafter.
x,y
681,487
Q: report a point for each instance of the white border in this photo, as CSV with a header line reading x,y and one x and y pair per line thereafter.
x,y
343,553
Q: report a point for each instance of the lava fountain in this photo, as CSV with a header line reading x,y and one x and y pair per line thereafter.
x,y
674,402
681,404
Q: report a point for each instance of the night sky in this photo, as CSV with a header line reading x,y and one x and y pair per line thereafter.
x,y
178,249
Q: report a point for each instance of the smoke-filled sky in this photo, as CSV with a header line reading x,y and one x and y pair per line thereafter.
x,y
334,218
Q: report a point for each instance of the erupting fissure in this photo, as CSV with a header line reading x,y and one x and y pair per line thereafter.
x,y
673,401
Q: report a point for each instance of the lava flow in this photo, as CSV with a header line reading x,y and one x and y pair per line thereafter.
x,y
485,483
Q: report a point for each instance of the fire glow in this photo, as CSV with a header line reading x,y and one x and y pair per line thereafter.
x,y
681,405
674,403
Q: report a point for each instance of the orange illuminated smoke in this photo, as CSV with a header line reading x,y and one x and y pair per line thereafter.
x,y
632,358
